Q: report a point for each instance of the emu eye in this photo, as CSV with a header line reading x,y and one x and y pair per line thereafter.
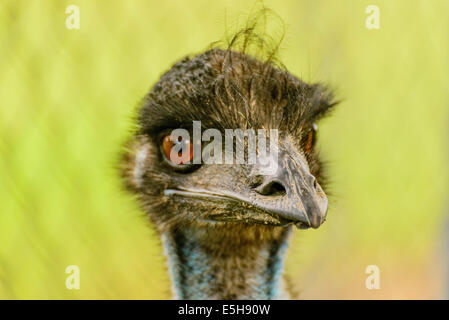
x,y
177,151
311,138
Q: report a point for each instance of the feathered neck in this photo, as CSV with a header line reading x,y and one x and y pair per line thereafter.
x,y
244,262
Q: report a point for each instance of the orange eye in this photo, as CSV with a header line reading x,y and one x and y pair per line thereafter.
x,y
311,138
185,147
309,143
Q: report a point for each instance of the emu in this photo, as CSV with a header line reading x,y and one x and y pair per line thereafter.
x,y
225,228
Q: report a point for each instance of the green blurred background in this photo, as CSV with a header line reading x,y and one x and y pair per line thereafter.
x,y
66,97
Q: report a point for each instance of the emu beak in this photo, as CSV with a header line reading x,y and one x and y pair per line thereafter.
x,y
292,193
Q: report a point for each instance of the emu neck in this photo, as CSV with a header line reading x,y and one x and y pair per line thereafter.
x,y
205,266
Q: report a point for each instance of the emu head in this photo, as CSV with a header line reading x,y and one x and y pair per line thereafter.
x,y
226,90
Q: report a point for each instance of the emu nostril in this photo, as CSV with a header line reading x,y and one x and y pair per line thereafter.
x,y
272,188
314,183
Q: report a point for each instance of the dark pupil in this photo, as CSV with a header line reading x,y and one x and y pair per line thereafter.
x,y
179,142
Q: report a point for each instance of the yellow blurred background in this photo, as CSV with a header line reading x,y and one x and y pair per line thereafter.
x,y
66,97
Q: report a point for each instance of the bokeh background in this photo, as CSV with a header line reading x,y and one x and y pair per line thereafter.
x,y
66,97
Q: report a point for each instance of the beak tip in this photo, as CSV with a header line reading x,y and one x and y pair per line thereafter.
x,y
315,226
314,221
317,221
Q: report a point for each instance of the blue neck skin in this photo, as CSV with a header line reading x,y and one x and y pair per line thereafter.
x,y
213,271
